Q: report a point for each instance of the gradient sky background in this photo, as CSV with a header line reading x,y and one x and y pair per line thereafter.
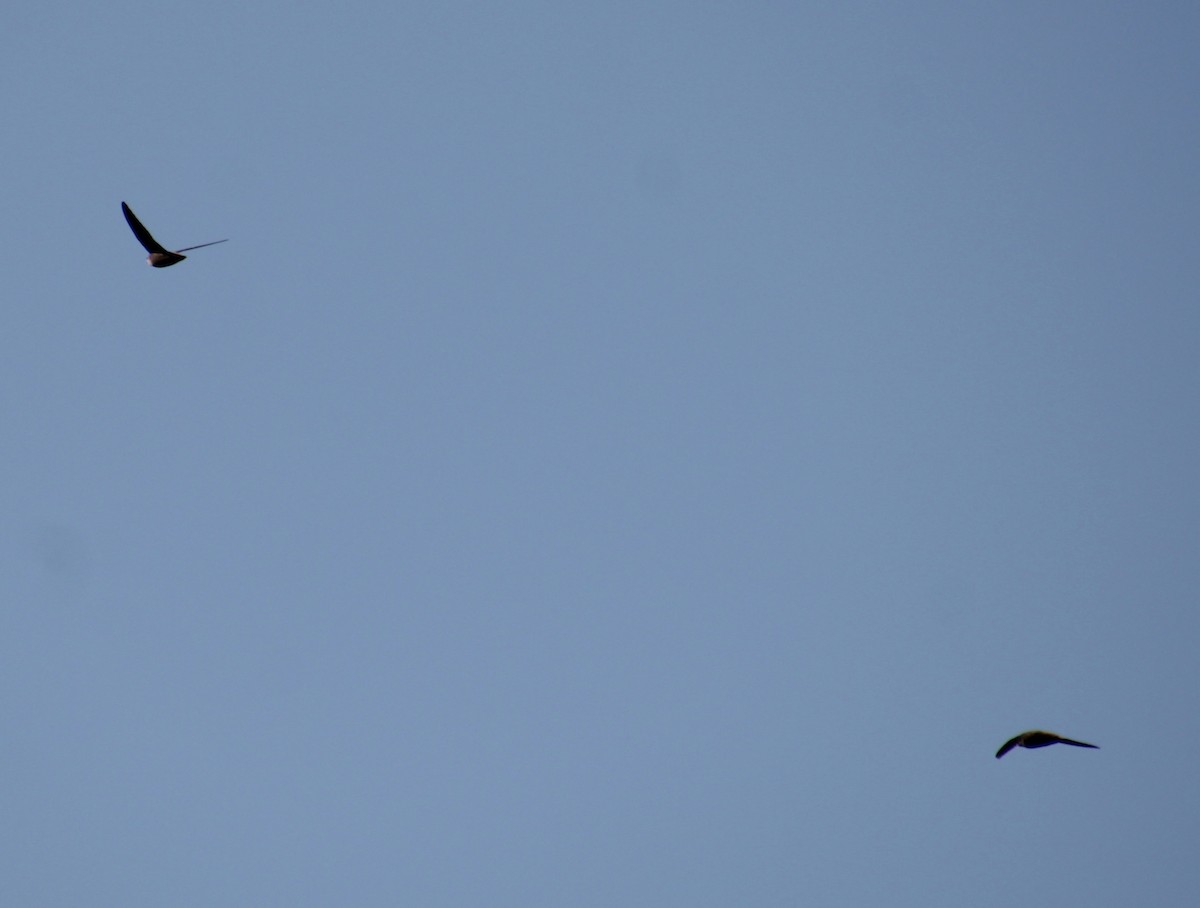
x,y
625,455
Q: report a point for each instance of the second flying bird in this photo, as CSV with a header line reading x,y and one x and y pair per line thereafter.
x,y
158,257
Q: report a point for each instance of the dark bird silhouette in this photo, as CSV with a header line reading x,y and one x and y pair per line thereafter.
x,y
1039,739
158,257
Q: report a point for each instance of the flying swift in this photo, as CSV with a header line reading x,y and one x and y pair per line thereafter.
x,y
158,257
1039,739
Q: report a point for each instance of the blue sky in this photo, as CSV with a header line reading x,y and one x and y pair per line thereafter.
x,y
625,454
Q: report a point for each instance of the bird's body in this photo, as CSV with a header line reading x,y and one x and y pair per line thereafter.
x,y
158,257
1037,738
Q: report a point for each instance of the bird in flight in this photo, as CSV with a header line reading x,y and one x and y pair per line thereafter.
x,y
158,257
1039,739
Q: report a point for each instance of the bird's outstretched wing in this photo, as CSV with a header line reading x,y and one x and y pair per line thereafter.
x,y
202,245
143,235
1009,745
1062,740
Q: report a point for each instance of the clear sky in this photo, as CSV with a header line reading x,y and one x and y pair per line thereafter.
x,y
627,454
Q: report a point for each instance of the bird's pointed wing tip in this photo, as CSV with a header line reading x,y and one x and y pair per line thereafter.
x,y
149,243
1074,743
1007,746
202,245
